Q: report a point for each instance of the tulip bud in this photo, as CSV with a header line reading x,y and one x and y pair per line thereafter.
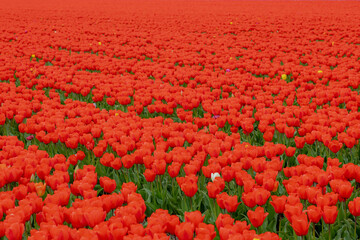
x,y
76,169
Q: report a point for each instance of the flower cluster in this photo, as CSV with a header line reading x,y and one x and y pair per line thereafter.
x,y
156,121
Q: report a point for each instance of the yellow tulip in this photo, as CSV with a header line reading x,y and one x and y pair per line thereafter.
x,y
283,76
100,43
33,55
40,188
230,23
320,71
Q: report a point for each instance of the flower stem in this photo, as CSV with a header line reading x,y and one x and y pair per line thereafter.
x,y
314,230
191,204
279,223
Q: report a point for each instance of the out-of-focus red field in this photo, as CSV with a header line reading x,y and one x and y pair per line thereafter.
x,y
179,120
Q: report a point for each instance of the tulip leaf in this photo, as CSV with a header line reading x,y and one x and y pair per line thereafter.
x,y
271,224
152,207
347,235
146,194
117,180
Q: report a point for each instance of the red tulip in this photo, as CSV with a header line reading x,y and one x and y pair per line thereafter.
x,y
290,151
194,217
292,210
330,214
14,230
223,220
345,190
149,175
257,217
278,203
314,213
174,169
354,207
300,224
261,196
108,184
205,231
249,199
189,188
185,231
231,203
213,189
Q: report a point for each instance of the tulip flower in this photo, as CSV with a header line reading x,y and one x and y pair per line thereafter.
x,y
29,137
231,203
249,199
300,224
257,217
354,208
40,189
189,188
278,203
314,213
14,230
223,220
149,175
329,215
194,217
185,231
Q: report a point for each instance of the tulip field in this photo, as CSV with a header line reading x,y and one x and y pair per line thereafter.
x,y
164,120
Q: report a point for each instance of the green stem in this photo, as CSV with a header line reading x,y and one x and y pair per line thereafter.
x,y
158,183
191,204
295,236
151,188
240,191
125,175
173,186
215,208
137,174
329,231
314,230
279,223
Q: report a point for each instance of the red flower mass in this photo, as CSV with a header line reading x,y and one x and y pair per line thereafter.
x,y
141,120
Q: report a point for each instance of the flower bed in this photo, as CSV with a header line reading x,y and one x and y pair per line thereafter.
x,y
183,119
